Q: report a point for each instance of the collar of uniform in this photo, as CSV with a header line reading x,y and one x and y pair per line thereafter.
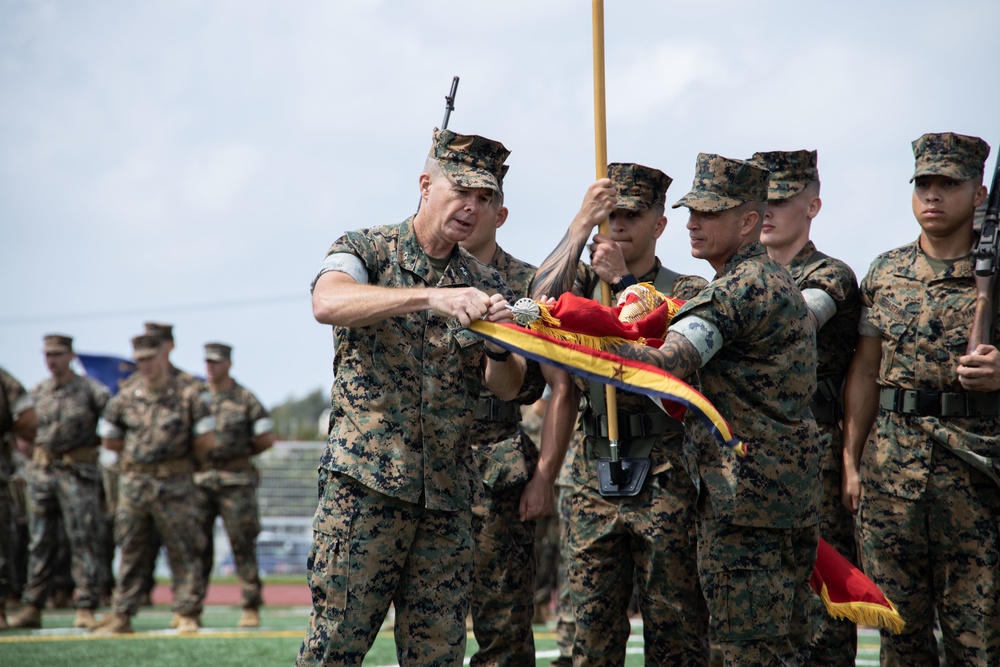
x,y
412,257
650,276
914,266
752,249
804,253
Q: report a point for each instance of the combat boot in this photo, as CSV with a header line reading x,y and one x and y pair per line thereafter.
x,y
84,619
188,624
30,616
113,624
250,618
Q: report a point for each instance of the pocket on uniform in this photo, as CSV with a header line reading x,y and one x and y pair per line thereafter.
x,y
749,592
328,564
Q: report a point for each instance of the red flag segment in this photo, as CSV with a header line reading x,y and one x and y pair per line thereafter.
x,y
849,594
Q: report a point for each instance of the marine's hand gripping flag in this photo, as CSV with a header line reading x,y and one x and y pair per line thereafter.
x,y
573,334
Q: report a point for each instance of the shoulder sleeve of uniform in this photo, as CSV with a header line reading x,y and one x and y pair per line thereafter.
x,y
99,394
110,424
355,253
687,287
820,304
835,278
704,335
18,398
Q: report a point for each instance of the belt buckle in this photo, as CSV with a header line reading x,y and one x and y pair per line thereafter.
x,y
929,403
955,405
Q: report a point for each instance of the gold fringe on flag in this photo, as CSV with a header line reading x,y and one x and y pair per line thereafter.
x,y
864,613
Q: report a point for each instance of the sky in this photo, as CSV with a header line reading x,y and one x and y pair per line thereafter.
x,y
191,162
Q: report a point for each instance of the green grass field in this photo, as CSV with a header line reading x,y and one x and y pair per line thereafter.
x,y
221,644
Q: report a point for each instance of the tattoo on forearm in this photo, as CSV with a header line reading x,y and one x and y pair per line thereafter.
x,y
558,272
677,356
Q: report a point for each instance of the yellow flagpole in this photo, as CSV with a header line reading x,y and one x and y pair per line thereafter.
x,y
601,150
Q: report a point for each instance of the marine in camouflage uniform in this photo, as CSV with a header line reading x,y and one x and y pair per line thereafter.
x,y
63,481
159,426
227,478
750,334
927,508
647,538
17,417
165,332
503,562
831,293
397,482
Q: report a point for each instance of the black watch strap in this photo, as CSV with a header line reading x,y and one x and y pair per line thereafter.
x,y
625,281
498,356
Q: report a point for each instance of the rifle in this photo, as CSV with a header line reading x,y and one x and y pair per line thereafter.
x,y
987,263
449,103
449,106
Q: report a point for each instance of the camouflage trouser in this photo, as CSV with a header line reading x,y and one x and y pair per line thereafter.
x,y
940,553
168,505
237,505
565,626
835,641
503,580
6,540
109,498
370,550
546,558
650,539
64,498
756,581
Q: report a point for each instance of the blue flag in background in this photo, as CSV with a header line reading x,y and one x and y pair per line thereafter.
x,y
106,369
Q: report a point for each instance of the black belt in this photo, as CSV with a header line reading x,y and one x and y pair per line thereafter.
x,y
491,408
939,403
632,425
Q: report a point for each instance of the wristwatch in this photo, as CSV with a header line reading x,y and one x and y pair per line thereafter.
x,y
625,281
498,356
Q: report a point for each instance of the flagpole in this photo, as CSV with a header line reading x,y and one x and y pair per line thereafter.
x,y
601,151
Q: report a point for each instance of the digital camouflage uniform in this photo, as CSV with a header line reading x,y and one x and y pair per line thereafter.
x,y
156,487
565,487
14,400
227,485
834,640
396,484
111,474
503,565
645,542
757,534
546,532
64,480
929,532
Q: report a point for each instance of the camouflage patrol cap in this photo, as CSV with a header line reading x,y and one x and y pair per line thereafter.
x,y
218,352
162,331
639,188
58,343
146,345
721,183
791,171
948,154
470,160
